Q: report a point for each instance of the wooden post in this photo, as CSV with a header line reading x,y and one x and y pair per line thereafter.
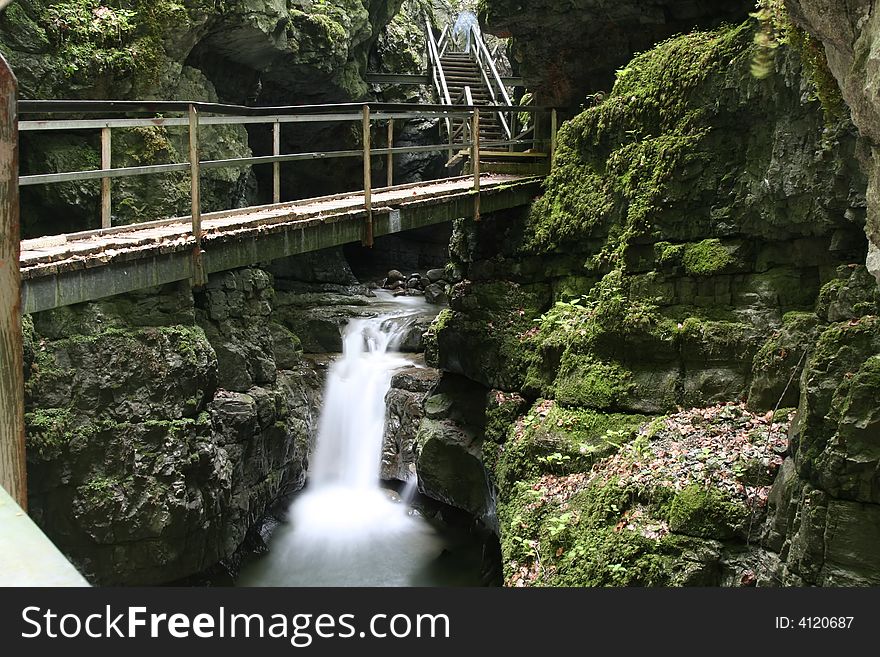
x,y
475,160
198,269
450,130
390,155
368,192
553,128
276,166
105,182
13,468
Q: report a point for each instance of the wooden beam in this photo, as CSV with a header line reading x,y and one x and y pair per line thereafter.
x,y
276,167
368,185
390,154
475,160
106,163
13,469
198,274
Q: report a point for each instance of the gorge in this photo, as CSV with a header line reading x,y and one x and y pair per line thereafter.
x,y
665,371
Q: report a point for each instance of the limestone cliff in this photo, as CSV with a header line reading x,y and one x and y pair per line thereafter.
x,y
696,229
848,31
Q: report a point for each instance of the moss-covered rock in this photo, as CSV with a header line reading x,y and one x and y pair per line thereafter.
x,y
835,443
142,470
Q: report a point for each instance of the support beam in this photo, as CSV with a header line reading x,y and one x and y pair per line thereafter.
x,y
390,155
475,160
368,185
106,163
13,471
198,269
276,167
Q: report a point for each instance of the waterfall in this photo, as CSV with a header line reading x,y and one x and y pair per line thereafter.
x,y
344,530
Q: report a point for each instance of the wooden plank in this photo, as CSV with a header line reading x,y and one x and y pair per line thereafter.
x,y
518,155
13,470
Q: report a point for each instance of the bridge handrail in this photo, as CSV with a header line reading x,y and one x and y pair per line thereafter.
x,y
226,115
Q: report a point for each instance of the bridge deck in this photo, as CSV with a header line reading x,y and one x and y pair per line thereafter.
x,y
64,269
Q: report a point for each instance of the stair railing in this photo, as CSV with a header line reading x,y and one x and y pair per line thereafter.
x,y
497,90
437,72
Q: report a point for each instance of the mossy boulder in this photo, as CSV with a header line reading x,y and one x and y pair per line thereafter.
x,y
496,357
142,468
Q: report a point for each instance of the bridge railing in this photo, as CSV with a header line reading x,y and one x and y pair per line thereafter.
x,y
85,116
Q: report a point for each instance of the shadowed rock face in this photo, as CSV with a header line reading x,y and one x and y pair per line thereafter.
x,y
848,29
567,50
253,52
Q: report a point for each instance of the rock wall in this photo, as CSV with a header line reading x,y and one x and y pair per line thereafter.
x,y
266,52
702,228
848,31
568,50
161,425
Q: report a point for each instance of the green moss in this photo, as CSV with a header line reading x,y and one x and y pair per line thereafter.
x,y
440,323
552,439
502,409
585,381
704,513
48,432
581,541
616,163
706,258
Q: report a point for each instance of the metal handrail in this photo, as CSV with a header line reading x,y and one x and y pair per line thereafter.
x,y
483,58
437,67
443,41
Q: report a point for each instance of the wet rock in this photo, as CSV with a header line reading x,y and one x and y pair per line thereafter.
x,y
413,339
404,402
394,276
435,275
450,467
142,470
435,294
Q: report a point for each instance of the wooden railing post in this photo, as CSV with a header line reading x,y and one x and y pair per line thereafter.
x,y
276,166
13,469
105,182
198,269
368,201
553,128
390,155
475,160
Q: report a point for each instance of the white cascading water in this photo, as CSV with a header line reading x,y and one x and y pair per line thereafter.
x,y
344,530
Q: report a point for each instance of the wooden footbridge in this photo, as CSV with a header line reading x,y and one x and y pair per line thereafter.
x,y
59,270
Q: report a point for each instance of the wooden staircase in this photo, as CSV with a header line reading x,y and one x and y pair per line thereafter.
x,y
462,70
